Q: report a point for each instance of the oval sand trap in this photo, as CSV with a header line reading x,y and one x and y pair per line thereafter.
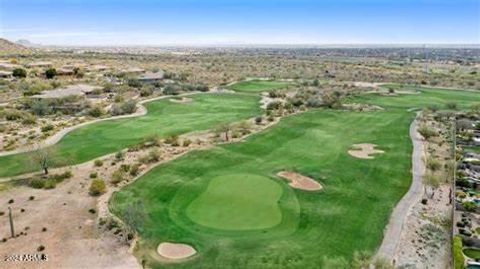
x,y
363,151
299,181
184,100
175,251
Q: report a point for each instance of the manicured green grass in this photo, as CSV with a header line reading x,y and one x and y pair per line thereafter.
x,y
238,202
458,258
164,118
473,253
255,86
348,215
471,148
438,98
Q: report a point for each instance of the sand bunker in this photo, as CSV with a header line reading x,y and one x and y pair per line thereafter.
x,y
363,151
299,181
175,251
181,101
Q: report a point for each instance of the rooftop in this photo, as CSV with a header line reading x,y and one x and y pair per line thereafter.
x,y
5,73
5,65
152,76
39,64
133,70
98,67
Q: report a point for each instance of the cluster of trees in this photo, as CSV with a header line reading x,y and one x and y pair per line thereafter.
x,y
175,89
427,132
19,73
306,98
34,86
50,73
147,89
122,108
438,170
18,115
68,105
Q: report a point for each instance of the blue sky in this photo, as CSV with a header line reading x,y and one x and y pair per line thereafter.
x,y
205,22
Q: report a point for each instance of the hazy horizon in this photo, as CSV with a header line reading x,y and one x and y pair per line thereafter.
x,y
241,23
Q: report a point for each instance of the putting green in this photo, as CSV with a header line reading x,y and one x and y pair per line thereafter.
x,y
238,202
254,86
348,215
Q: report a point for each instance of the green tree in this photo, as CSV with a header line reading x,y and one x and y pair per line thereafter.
x,y
41,108
426,132
134,218
331,99
361,260
43,156
469,206
19,73
97,187
50,73
96,111
225,129
433,164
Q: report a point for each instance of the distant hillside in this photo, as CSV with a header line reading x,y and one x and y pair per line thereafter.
x,y
7,47
27,43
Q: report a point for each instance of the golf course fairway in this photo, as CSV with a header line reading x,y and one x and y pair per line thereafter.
x,y
164,118
256,86
205,198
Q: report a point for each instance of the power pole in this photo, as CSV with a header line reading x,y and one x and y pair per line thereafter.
x,y
11,221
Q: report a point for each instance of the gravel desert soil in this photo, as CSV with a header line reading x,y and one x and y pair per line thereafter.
x,y
423,244
59,221
63,222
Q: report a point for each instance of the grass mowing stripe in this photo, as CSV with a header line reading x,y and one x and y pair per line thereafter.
x,y
348,215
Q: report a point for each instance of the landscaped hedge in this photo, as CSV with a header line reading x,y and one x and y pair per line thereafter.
x,y
458,259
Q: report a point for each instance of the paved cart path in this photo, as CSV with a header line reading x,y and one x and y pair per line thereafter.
x,y
141,111
393,231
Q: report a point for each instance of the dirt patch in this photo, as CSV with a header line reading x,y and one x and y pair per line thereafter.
x,y
362,107
175,251
364,84
299,181
183,100
60,221
363,151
